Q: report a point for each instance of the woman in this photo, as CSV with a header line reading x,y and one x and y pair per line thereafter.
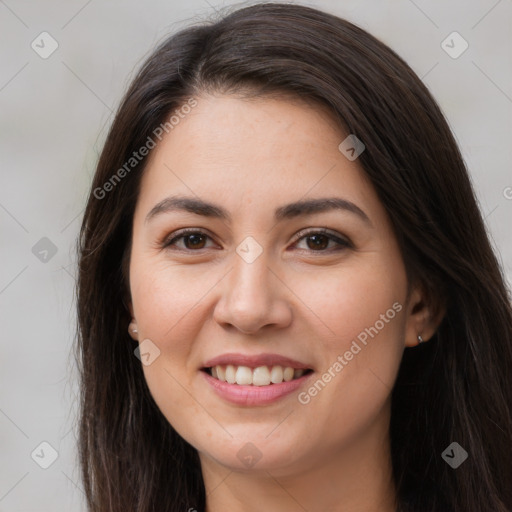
x,y
287,299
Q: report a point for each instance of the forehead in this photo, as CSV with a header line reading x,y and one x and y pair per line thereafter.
x,y
253,150
267,128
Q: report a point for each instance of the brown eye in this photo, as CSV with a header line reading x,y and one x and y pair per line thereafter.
x,y
192,240
319,240
195,241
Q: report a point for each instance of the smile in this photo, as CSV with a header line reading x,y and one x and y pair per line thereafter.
x,y
259,376
254,394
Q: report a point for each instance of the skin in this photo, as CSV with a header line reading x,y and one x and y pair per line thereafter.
x,y
309,304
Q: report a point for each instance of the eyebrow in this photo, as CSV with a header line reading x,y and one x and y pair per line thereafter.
x,y
289,211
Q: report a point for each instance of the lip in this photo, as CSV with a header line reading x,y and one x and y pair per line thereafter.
x,y
254,395
253,361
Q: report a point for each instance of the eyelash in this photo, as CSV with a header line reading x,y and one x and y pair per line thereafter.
x,y
342,242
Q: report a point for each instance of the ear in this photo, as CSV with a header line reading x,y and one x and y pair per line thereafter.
x,y
133,330
133,323
424,315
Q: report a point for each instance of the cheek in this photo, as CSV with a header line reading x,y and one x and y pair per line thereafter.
x,y
344,302
167,299
362,312
168,303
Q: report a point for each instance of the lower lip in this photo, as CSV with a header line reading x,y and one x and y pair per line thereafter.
x,y
254,395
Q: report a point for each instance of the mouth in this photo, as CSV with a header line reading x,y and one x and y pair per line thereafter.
x,y
259,376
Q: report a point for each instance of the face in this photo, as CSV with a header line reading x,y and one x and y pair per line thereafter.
x,y
255,286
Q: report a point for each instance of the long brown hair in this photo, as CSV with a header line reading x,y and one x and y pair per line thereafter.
x,y
455,388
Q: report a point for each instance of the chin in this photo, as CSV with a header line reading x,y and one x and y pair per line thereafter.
x,y
254,453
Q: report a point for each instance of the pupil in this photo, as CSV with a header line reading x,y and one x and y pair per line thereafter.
x,y
318,243
195,239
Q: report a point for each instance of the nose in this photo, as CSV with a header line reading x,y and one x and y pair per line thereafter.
x,y
253,297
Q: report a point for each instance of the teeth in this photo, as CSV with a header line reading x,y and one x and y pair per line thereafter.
x,y
260,376
243,375
288,374
230,374
220,371
276,375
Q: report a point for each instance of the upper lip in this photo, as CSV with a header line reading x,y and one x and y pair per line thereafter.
x,y
254,361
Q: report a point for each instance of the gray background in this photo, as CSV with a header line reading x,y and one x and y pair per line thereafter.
x,y
54,117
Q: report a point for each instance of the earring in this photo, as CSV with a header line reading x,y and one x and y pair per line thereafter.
x,y
420,339
132,328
